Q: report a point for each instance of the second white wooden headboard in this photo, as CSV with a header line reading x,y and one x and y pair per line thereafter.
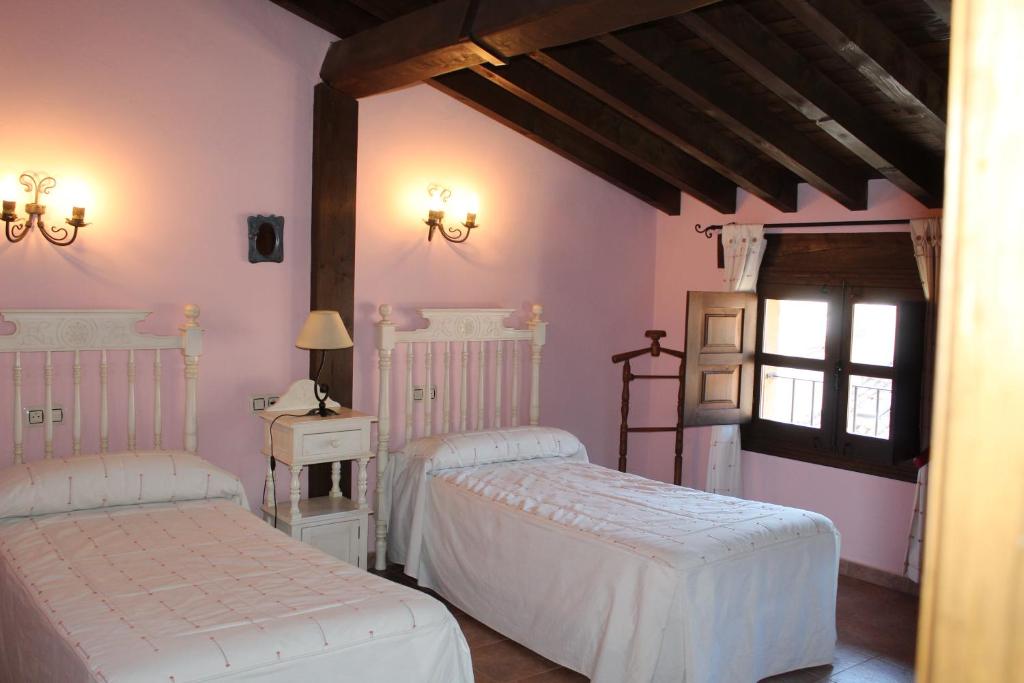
x,y
49,332
487,391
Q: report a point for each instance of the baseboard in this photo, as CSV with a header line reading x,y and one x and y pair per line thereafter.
x,y
879,577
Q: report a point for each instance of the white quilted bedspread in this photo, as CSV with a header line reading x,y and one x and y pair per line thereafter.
x,y
620,577
675,526
203,591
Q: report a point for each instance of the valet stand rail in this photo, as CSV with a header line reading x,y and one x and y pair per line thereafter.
x,y
655,350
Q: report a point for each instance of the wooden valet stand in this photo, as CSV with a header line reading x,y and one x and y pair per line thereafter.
x,y
655,350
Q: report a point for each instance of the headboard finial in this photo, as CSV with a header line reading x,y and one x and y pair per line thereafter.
x,y
385,312
191,316
537,311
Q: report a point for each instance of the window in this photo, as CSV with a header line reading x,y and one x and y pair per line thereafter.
x,y
837,363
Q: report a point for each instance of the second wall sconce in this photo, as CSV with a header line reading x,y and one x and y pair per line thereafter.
x,y
58,235
439,197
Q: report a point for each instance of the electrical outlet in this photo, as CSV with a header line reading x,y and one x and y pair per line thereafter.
x,y
418,393
260,402
36,416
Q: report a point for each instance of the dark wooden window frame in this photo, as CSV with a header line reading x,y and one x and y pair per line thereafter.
x,y
830,445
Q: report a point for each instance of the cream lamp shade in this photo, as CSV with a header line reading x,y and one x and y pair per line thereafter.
x,y
323,330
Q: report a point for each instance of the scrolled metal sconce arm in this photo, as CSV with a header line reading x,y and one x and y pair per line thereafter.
x,y
57,235
435,218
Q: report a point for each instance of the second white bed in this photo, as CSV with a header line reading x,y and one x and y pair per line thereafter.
x,y
616,576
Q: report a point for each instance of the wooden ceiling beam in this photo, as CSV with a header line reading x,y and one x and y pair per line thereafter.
x,y
869,46
551,94
689,77
339,18
456,34
504,107
586,66
735,33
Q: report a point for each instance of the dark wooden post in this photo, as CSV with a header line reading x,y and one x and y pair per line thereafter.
x,y
333,241
627,377
677,478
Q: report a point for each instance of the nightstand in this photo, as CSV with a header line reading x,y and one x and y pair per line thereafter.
x,y
333,523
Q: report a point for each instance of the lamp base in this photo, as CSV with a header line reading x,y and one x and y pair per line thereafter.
x,y
322,411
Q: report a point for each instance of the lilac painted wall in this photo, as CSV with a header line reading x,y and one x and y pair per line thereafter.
x,y
551,234
184,117
872,513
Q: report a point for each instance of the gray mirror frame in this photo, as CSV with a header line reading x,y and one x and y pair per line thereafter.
x,y
277,253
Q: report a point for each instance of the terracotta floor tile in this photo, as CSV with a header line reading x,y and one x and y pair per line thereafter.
x,y
881,621
480,677
561,675
817,674
477,635
505,661
848,655
877,670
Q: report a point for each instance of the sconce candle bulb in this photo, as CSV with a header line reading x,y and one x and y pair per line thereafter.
x,y
57,235
77,217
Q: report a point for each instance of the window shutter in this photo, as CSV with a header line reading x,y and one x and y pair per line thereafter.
x,y
908,362
720,338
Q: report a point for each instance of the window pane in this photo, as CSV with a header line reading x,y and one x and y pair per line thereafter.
x,y
869,406
792,396
795,328
874,334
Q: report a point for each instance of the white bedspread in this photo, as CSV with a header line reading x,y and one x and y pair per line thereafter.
x,y
620,577
204,591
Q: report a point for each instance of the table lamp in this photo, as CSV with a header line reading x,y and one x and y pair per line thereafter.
x,y
323,331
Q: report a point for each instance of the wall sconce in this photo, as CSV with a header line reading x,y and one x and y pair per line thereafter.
x,y
58,235
439,197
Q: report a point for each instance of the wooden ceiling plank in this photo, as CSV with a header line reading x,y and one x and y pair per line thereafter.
x,y
387,9
585,65
455,34
879,55
690,77
551,94
750,45
506,108
943,9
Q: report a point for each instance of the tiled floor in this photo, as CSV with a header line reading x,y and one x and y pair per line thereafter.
x,y
877,634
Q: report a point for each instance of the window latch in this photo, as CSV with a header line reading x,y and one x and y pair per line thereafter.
x,y
837,374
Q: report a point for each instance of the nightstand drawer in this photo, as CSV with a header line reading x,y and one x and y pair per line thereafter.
x,y
333,443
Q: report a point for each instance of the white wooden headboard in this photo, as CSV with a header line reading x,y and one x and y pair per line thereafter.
x,y
490,400
50,332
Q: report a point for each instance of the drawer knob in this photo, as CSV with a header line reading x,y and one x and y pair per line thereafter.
x,y
335,443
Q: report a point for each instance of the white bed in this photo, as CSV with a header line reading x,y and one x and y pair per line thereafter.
x,y
619,577
148,565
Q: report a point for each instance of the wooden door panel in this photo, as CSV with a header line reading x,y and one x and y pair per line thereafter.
x,y
722,330
720,337
720,387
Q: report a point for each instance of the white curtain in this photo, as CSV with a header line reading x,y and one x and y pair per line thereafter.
x,y
926,234
744,247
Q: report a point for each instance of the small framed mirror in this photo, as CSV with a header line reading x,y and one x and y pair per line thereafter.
x,y
266,239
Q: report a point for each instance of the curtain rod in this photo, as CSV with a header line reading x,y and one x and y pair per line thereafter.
x,y
706,231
